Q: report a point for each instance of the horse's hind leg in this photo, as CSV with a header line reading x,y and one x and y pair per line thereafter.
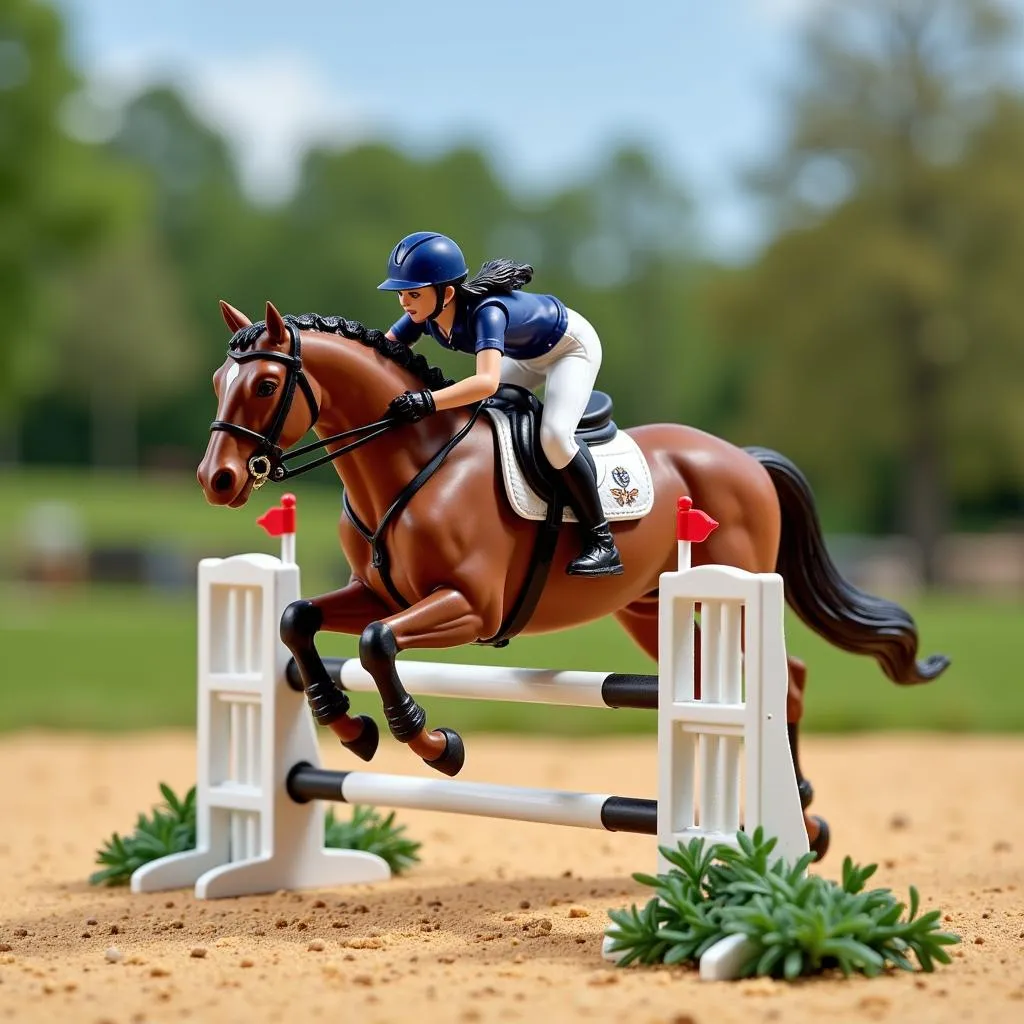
x,y
443,619
817,828
640,620
348,610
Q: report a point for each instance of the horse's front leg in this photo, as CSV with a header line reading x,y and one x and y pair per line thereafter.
x,y
444,619
348,610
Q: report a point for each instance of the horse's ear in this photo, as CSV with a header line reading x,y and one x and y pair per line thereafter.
x,y
234,318
277,331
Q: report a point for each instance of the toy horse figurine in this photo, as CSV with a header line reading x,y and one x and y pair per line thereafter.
x,y
439,557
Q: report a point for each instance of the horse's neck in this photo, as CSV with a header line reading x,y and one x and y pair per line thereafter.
x,y
357,385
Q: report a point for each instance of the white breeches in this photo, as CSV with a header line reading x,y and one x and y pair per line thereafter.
x,y
568,373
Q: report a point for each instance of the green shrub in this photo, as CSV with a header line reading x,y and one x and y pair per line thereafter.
x,y
795,923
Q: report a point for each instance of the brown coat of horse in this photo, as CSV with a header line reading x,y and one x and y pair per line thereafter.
x,y
459,554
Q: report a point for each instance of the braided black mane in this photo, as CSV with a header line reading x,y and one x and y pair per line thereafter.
x,y
396,351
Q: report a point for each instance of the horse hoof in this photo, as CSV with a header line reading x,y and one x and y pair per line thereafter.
x,y
806,793
822,839
454,756
365,744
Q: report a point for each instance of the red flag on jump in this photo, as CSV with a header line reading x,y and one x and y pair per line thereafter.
x,y
281,518
691,523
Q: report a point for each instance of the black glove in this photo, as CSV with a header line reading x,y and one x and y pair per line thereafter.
x,y
412,406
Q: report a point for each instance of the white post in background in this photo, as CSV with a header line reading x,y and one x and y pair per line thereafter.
x,y
252,729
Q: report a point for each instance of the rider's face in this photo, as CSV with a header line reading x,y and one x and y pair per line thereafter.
x,y
418,303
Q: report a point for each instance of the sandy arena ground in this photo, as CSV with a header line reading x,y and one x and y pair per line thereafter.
x,y
502,921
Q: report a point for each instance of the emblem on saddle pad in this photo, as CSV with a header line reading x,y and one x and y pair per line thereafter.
x,y
623,494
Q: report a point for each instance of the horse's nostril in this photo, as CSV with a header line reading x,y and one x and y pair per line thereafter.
x,y
223,481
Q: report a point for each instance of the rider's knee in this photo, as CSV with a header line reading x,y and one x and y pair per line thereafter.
x,y
300,621
558,449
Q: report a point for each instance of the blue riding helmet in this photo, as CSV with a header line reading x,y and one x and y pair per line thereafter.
x,y
421,259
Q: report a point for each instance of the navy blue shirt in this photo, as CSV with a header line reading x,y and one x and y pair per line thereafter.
x,y
518,324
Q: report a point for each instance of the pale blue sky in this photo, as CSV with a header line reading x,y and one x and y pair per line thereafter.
x,y
544,86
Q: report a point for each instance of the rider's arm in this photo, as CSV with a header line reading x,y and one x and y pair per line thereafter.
x,y
489,323
481,385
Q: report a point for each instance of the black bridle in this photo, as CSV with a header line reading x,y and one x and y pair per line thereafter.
x,y
268,460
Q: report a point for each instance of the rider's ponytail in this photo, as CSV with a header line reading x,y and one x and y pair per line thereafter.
x,y
497,277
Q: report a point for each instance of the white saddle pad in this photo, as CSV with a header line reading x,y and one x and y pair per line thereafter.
x,y
623,477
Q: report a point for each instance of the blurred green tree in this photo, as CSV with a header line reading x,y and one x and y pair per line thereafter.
x,y
200,240
208,229
58,196
619,247
880,332
124,343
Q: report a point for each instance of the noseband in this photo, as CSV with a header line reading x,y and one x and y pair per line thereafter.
x,y
268,460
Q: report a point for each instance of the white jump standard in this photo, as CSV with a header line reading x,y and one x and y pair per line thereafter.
x,y
251,730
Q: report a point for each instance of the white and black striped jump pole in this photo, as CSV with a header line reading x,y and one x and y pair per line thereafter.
x,y
543,806
489,682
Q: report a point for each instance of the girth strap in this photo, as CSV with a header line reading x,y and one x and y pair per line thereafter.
x,y
375,539
536,574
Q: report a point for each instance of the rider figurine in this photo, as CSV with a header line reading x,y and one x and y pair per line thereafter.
x,y
518,338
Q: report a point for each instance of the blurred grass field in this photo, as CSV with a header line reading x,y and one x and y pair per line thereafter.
x,y
168,511
91,657
105,658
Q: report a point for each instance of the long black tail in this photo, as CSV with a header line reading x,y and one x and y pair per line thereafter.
x,y
835,609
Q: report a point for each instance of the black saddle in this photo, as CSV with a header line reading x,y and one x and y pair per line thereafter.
x,y
523,409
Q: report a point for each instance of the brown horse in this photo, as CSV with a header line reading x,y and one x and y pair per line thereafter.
x,y
444,563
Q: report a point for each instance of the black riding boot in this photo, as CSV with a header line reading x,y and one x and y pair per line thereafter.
x,y
600,556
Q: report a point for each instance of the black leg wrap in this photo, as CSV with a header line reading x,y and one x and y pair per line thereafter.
x,y
377,652
326,701
405,719
299,624
821,844
365,746
454,757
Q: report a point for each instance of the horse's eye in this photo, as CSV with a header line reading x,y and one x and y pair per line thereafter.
x,y
266,388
